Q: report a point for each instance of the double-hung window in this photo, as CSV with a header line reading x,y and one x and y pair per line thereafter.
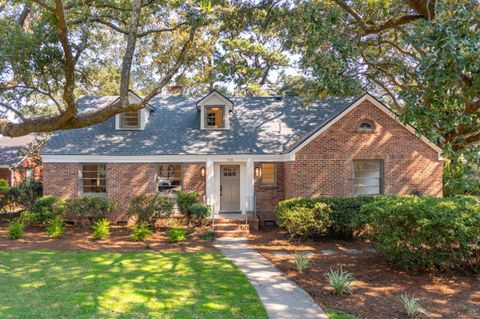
x,y
367,177
93,179
130,120
214,117
268,174
169,178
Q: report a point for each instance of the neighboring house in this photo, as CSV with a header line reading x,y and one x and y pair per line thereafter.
x,y
243,154
15,167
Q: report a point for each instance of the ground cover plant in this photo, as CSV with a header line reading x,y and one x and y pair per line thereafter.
x,y
52,284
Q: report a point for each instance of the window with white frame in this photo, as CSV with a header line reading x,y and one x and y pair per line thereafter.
x,y
130,120
366,126
29,173
268,174
367,177
214,117
169,178
93,179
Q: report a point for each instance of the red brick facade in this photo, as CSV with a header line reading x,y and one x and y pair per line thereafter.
x,y
19,173
124,180
324,167
267,196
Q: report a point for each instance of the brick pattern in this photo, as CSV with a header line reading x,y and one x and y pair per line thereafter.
x,y
192,178
324,166
61,179
267,196
124,181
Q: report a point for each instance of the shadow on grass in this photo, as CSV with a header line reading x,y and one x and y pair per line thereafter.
x,y
48,284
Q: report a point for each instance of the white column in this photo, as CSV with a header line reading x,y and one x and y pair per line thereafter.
x,y
250,182
210,185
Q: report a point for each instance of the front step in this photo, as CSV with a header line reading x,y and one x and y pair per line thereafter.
x,y
237,227
231,233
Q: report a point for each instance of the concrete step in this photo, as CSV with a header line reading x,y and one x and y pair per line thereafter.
x,y
219,221
231,233
231,227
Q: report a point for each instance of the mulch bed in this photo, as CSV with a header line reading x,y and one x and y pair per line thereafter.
x,y
120,241
377,283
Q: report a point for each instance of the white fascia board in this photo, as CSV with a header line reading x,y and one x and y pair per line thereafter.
x,y
163,158
382,107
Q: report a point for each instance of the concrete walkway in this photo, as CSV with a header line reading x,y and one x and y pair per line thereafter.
x,y
282,298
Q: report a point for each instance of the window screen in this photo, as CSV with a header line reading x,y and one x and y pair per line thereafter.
x,y
368,177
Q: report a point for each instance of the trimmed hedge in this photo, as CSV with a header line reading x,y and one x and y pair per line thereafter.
x,y
424,232
85,210
303,222
344,212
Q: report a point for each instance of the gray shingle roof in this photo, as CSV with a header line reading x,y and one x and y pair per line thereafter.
x,y
10,146
259,125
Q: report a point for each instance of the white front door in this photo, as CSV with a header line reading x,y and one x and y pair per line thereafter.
x,y
230,188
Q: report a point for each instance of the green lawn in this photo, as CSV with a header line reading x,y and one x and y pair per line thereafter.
x,y
51,284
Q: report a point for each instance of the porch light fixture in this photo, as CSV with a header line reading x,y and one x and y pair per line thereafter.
x,y
258,172
202,171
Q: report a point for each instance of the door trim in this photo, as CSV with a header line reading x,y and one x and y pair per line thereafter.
x,y
238,169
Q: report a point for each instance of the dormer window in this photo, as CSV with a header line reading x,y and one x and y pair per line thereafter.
x,y
130,120
214,117
215,111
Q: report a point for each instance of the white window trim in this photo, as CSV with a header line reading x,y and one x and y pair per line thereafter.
x,y
205,114
136,127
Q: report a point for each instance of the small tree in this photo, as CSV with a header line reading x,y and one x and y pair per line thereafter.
x,y
149,208
26,193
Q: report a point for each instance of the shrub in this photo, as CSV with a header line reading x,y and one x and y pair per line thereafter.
x,y
4,187
412,306
45,208
101,229
15,229
141,231
85,210
416,232
344,212
340,281
177,234
302,222
26,193
209,235
185,200
149,208
55,227
301,261
198,213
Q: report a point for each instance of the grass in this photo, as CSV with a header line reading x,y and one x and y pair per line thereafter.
x,y
52,284
336,314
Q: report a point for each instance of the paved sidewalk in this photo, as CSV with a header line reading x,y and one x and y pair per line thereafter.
x,y
282,298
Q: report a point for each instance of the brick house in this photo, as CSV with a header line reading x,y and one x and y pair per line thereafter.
x,y
14,167
243,154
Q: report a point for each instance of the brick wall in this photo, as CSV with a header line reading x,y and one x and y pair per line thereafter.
x,y
267,196
324,166
124,180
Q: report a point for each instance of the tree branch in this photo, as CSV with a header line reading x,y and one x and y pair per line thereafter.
x,y
69,87
377,28
129,52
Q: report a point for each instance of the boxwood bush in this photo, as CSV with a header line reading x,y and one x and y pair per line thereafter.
x,y
44,209
149,208
424,232
303,221
344,212
85,210
185,200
